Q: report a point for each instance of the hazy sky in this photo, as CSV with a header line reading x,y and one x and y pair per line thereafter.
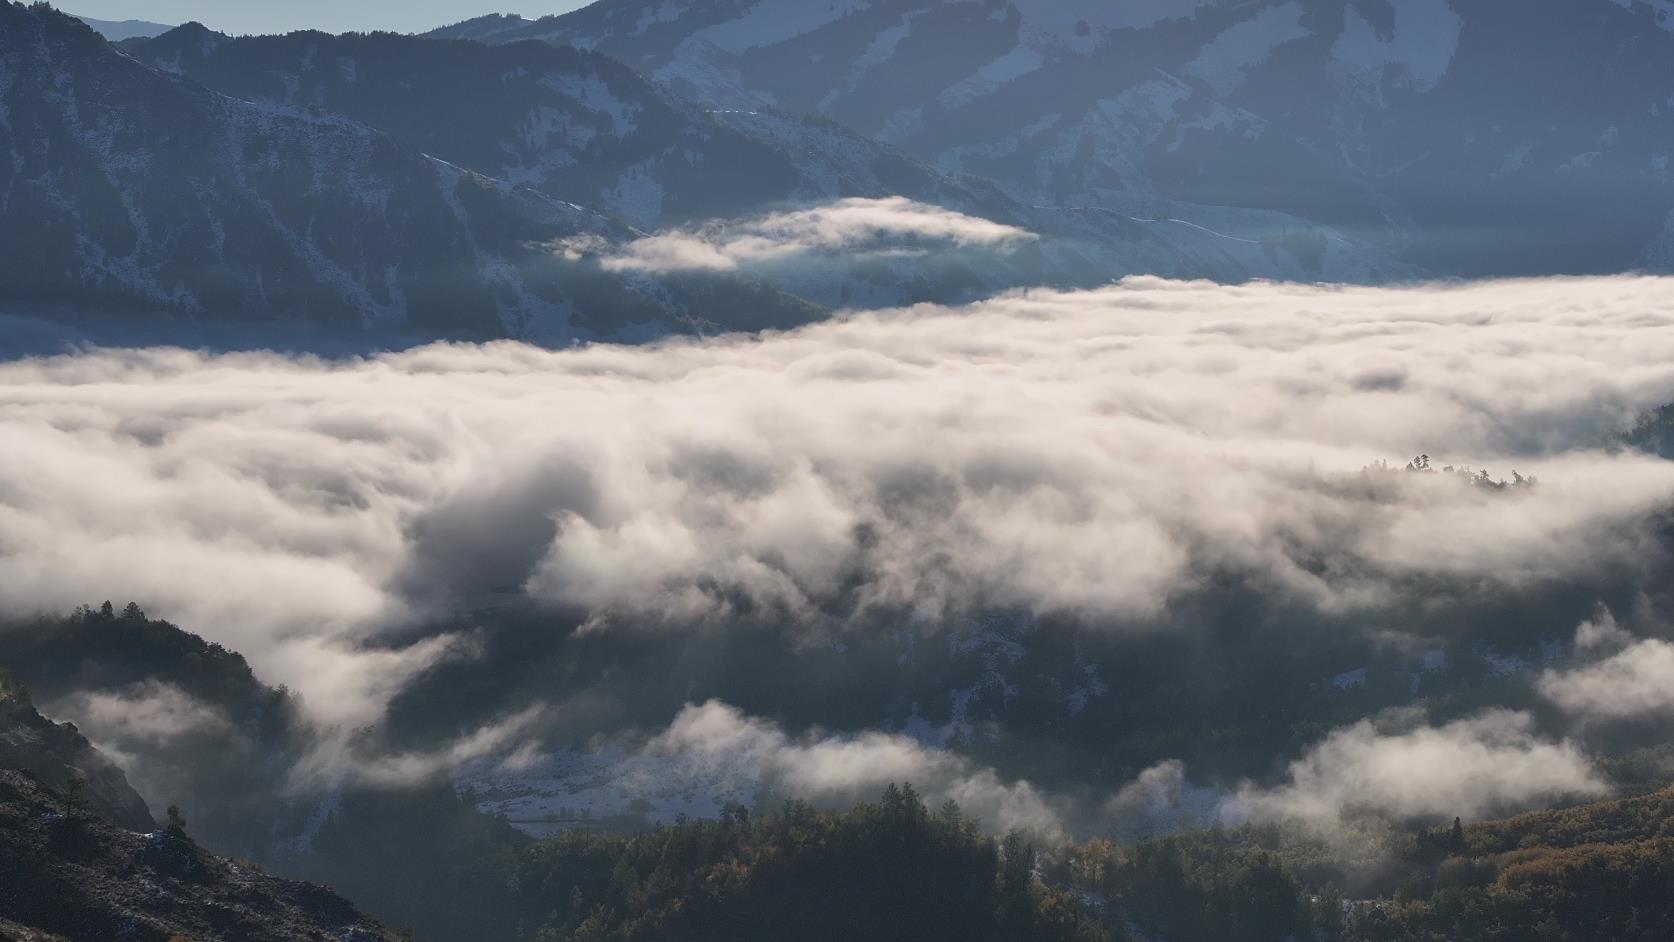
x,y
263,16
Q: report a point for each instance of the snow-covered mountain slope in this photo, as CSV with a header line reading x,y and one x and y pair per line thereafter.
x,y
577,125
132,190
582,127
1495,136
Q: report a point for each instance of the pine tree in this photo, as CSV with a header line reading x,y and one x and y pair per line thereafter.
x,y
950,812
75,798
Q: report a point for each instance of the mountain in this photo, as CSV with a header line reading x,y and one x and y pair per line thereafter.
x,y
1595,871
57,753
581,127
85,860
576,125
1492,137
133,190
197,728
118,30
81,877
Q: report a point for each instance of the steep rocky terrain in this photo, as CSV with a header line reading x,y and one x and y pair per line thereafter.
x,y
1492,137
57,753
82,858
78,876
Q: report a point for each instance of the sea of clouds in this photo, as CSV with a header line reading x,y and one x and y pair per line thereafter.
x,y
1099,454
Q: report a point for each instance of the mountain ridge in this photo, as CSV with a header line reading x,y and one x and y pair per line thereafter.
x,y
270,213
1428,127
582,127
58,754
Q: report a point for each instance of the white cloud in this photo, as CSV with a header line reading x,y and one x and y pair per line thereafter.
x,y
1601,633
1637,681
151,713
1160,800
1099,453
1492,762
842,769
849,226
337,759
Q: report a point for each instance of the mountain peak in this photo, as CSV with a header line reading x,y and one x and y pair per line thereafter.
x,y
480,27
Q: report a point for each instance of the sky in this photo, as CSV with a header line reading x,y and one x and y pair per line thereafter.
x,y
335,16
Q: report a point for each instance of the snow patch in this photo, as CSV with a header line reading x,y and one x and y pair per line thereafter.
x,y
882,47
637,195
983,82
1227,59
1426,37
1350,679
1661,10
593,94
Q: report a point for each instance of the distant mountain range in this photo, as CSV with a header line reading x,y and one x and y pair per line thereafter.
x,y
472,183
134,190
584,128
118,30
1492,137
380,182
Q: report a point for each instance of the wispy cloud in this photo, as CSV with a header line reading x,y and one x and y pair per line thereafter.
x,y
339,759
856,225
842,769
1399,767
1633,683
151,713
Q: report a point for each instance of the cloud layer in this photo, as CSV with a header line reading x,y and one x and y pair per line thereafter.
x,y
1634,683
859,225
844,769
1492,762
1101,454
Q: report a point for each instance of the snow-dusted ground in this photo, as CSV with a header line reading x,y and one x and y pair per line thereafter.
x,y
1422,46
567,788
1224,62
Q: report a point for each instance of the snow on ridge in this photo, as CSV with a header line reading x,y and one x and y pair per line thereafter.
x,y
594,94
1229,57
1426,37
638,196
1661,10
1020,61
1348,679
880,50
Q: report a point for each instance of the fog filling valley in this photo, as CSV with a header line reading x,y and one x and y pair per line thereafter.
x,y
1105,459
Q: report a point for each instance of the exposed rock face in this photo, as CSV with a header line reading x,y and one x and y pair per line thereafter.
x,y
57,752
83,878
